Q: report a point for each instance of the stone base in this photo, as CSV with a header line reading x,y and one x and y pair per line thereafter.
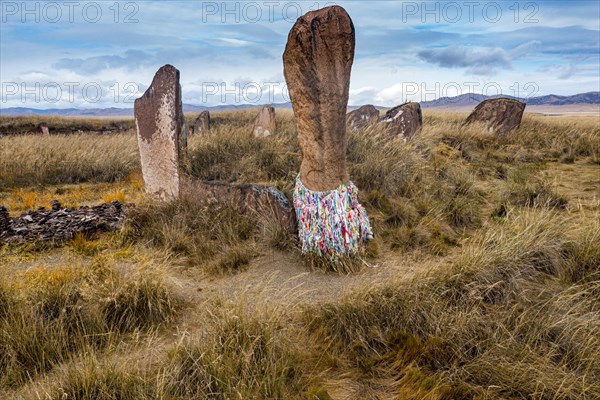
x,y
263,200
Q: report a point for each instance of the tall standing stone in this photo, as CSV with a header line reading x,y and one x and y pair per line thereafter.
x,y
202,123
316,64
264,124
404,121
160,121
362,117
501,115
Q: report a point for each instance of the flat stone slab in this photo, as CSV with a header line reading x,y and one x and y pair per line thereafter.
x,y
501,115
159,120
259,199
60,224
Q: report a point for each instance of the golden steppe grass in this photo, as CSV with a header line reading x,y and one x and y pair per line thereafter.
x,y
509,312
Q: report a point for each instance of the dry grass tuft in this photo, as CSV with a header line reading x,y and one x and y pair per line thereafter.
x,y
500,324
214,237
243,351
66,159
512,312
50,315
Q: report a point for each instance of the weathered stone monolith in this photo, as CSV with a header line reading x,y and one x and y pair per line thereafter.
x,y
202,123
501,116
403,121
43,128
264,124
161,137
362,117
316,63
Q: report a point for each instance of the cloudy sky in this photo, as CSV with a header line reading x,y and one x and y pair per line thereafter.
x,y
62,54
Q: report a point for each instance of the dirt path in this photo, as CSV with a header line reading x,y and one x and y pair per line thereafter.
x,y
580,182
282,277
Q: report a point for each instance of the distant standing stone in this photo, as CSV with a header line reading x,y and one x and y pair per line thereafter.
x,y
43,128
404,121
264,124
501,115
159,121
316,63
202,124
362,117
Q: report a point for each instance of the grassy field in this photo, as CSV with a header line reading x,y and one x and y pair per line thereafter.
x,y
482,282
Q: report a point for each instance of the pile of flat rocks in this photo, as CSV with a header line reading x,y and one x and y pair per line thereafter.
x,y
60,224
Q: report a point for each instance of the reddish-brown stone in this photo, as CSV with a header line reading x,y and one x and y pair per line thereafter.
x,y
43,128
316,63
404,121
501,115
362,117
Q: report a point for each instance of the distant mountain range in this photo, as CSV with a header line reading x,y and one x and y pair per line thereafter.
x,y
472,99
463,100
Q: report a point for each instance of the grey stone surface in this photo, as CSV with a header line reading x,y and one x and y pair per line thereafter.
x,y
160,132
264,124
266,201
202,123
59,224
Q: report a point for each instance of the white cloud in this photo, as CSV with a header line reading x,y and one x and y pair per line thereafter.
x,y
233,42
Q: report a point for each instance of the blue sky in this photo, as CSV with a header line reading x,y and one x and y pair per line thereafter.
x,y
59,54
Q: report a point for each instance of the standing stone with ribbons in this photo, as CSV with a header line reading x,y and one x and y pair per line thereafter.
x,y
317,62
159,120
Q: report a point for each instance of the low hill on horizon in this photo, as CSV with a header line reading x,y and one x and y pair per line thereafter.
x,y
460,101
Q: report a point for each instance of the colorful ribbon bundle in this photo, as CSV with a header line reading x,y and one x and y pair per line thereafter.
x,y
331,223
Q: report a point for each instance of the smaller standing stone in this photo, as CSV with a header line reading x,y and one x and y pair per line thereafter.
x,y
265,125
43,128
404,120
202,124
362,117
501,115
161,133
